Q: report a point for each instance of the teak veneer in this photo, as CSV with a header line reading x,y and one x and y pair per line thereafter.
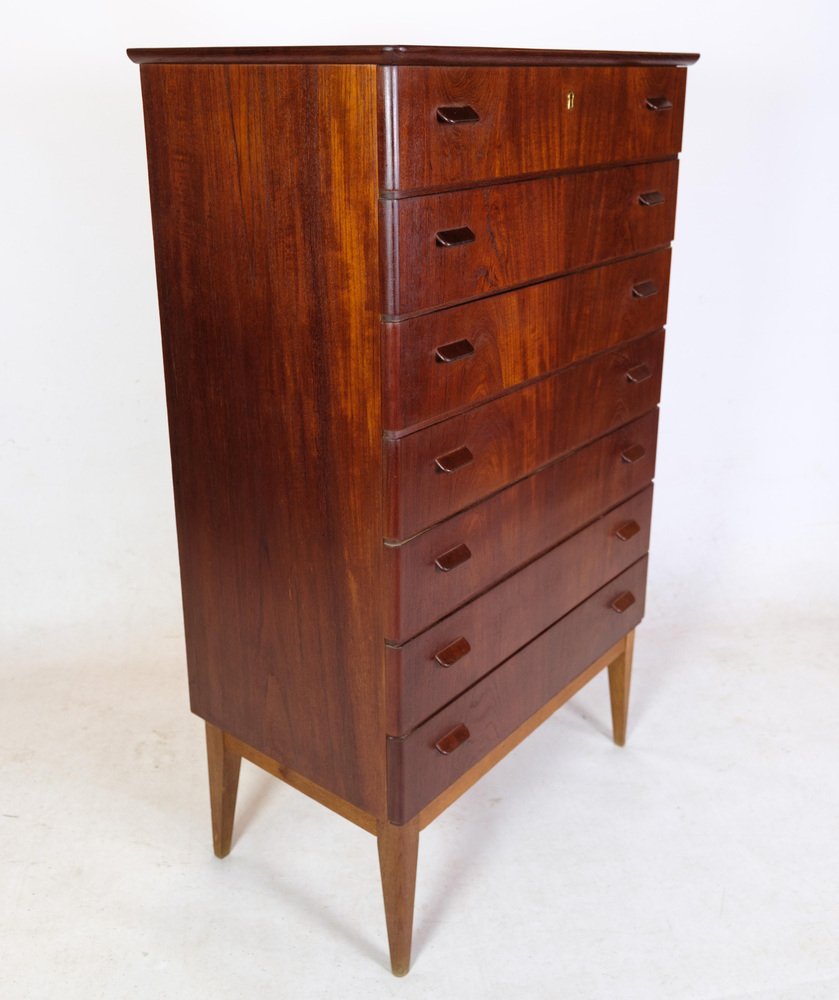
x,y
412,304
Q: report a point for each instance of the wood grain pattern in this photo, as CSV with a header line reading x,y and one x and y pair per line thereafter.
x,y
410,55
525,125
516,434
512,527
273,397
507,616
516,337
462,784
524,231
494,707
441,329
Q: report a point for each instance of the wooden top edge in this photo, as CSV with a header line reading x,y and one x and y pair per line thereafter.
x,y
411,55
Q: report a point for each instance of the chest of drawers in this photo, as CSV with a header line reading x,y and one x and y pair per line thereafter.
x,y
412,303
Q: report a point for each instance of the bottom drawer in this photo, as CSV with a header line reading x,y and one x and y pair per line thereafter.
x,y
422,764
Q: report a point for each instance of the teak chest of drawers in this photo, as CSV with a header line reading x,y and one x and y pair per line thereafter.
x,y
412,304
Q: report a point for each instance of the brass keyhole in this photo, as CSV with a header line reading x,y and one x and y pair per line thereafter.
x,y
570,100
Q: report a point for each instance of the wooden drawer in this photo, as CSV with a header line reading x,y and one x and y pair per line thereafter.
x,y
504,699
437,665
436,364
520,232
525,124
511,528
443,468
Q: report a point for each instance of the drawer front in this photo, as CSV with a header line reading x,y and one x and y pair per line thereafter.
x,y
436,364
441,469
511,528
529,120
436,666
494,707
448,248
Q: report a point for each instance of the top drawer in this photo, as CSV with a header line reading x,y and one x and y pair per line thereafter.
x,y
446,126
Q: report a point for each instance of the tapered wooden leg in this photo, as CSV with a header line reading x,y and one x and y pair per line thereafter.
x,y
620,675
398,846
224,767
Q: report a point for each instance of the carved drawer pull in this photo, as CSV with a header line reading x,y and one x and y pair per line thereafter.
x,y
633,453
623,602
462,115
454,460
453,652
455,237
644,290
659,104
627,530
640,373
649,198
452,740
453,558
456,351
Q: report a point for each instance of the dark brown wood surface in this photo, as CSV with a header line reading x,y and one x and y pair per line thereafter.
x,y
515,434
273,394
410,55
516,336
524,231
512,527
525,124
509,615
500,702
407,291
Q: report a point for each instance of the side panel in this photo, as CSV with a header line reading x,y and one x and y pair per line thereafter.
x,y
263,190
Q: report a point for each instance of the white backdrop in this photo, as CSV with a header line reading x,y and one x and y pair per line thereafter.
x,y
746,526
748,474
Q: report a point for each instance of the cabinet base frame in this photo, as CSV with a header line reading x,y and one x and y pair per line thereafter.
x,y
398,845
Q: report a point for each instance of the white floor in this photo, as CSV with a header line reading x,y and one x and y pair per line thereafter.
x,y
701,862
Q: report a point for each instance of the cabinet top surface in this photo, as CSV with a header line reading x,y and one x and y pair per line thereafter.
x,y
411,55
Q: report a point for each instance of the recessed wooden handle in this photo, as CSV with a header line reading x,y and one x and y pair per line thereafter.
x,y
454,460
452,740
456,351
649,198
455,237
462,114
640,373
633,453
659,103
627,530
453,652
644,290
623,602
453,558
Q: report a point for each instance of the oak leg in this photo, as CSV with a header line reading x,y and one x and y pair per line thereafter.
x,y
398,846
223,766
620,675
